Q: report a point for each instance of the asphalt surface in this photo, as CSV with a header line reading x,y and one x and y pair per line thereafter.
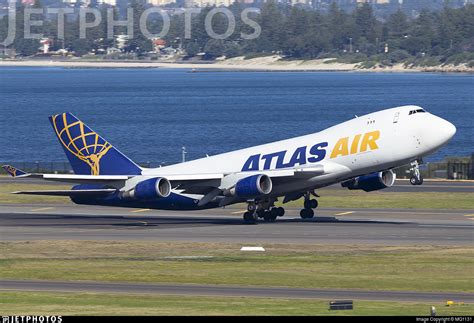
x,y
237,291
331,226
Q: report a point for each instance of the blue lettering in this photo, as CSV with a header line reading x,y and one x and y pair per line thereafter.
x,y
252,163
299,157
281,157
269,157
318,153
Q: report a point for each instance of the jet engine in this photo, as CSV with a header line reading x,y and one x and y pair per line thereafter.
x,y
371,182
151,188
254,185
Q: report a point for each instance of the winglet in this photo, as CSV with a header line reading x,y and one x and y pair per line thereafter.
x,y
13,171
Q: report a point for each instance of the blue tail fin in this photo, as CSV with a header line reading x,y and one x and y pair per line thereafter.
x,y
13,171
89,153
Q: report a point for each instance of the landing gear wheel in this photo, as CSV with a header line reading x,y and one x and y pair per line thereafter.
x,y
306,213
273,217
415,181
267,217
250,218
281,211
275,212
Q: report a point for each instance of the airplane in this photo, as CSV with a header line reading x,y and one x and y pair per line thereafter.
x,y
359,153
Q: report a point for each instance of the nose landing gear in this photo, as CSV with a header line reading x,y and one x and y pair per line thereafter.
x,y
416,178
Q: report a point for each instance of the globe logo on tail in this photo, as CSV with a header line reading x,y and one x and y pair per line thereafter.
x,y
11,170
81,141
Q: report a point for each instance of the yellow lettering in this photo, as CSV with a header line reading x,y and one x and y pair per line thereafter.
x,y
369,141
355,144
341,148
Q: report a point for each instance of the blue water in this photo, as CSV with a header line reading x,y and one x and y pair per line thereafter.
x,y
149,114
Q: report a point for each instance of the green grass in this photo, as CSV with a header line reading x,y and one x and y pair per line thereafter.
x,y
43,303
339,198
314,266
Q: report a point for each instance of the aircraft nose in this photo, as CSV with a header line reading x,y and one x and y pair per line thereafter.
x,y
447,129
442,131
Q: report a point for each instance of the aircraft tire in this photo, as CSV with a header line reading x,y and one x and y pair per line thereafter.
x,y
306,213
281,211
267,217
310,204
415,181
274,212
250,218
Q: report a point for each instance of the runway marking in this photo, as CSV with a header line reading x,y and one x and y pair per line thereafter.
x,y
345,213
469,214
238,212
141,210
42,209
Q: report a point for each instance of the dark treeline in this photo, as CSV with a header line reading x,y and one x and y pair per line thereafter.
x,y
445,36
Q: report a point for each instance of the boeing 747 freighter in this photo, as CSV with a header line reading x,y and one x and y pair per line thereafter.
x,y
359,153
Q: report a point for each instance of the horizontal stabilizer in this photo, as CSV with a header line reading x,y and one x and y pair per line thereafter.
x,y
81,193
14,172
66,178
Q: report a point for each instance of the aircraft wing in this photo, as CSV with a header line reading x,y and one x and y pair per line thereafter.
x,y
210,184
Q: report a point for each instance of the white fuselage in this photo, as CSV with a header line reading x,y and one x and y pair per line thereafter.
x,y
399,138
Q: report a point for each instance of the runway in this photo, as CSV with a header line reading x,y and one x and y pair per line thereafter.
x,y
331,226
236,291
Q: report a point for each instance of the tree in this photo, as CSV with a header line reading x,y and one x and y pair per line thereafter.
x,y
214,48
27,46
366,23
272,22
337,24
139,43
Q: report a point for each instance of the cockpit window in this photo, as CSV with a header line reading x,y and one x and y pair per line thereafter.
x,y
416,111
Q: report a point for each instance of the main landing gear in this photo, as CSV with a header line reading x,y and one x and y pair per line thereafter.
x,y
309,206
264,210
416,178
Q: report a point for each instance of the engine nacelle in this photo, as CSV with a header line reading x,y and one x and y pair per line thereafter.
x,y
251,186
371,182
151,188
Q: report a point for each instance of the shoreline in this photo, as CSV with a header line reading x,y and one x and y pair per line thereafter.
x,y
262,64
